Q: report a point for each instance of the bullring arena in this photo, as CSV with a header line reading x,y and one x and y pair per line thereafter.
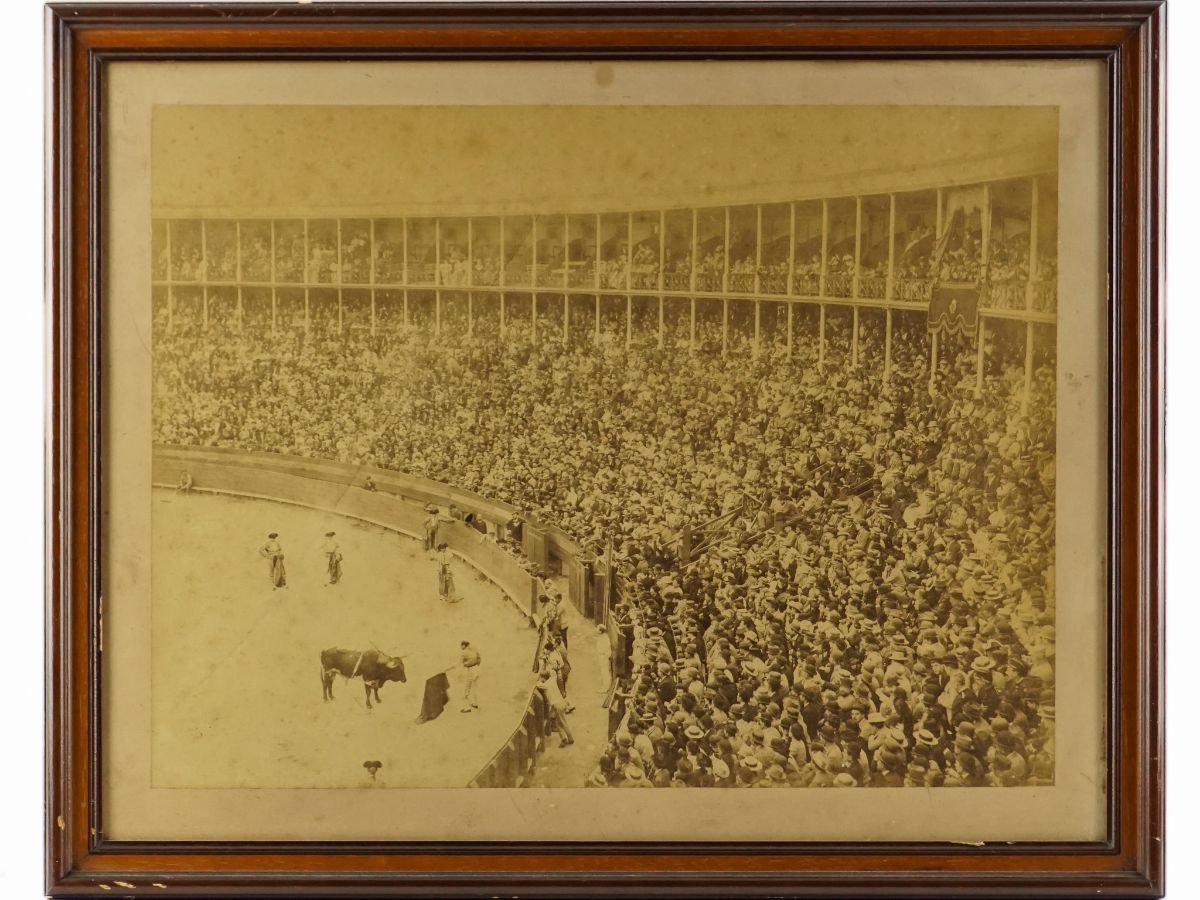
x,y
264,647
235,656
785,466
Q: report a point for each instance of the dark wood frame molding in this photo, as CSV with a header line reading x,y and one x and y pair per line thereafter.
x,y
1128,35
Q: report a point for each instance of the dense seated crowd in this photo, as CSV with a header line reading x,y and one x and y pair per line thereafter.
x,y
876,603
886,620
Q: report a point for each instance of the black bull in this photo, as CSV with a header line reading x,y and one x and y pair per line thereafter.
x,y
373,666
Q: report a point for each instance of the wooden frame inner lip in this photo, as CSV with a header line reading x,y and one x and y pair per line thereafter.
x,y
1130,38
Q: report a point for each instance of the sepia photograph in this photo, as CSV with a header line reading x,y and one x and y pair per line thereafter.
x,y
752,489
491,455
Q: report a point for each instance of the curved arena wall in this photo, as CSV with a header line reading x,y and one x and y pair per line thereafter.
x,y
398,503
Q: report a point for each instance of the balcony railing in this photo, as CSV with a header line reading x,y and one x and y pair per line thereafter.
x,y
1045,296
613,276
517,274
773,283
872,287
582,276
806,284
388,271
778,258
742,282
487,273
422,273
1005,295
645,280
913,290
839,285
289,269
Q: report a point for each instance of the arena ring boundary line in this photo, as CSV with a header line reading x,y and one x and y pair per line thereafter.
x,y
321,508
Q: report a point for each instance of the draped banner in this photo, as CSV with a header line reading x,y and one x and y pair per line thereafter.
x,y
954,309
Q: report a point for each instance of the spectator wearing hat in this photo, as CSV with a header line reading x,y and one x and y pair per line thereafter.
x,y
554,659
430,528
557,705
890,764
749,771
635,777
822,771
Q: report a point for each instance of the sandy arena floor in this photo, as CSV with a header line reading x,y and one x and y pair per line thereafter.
x,y
236,683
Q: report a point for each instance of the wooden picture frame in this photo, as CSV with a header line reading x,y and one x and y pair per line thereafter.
x,y
1127,35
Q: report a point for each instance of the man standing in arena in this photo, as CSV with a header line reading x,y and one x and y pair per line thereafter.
x,y
333,558
446,577
470,661
273,551
431,528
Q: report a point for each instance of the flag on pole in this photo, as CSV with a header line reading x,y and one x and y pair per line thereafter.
x,y
960,202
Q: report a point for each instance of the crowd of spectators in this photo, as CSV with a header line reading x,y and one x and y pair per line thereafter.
x,y
886,619
614,271
773,277
389,260
454,269
317,260
806,281
710,270
645,269
876,606
289,256
741,274
256,256
678,271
